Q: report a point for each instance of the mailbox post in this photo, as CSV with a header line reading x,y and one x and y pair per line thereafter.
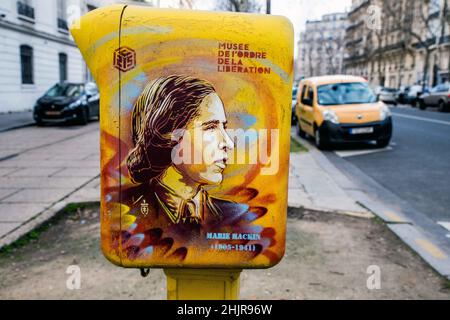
x,y
202,284
195,132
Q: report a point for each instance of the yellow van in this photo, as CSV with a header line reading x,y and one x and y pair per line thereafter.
x,y
341,108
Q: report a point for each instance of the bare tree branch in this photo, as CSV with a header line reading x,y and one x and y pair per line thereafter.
x,y
239,5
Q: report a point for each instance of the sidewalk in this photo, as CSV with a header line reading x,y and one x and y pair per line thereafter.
x,y
325,188
14,120
328,256
313,188
39,178
41,171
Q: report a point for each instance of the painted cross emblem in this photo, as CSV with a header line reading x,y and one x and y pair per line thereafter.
x,y
144,207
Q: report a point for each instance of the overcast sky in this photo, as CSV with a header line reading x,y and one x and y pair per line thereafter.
x,y
298,11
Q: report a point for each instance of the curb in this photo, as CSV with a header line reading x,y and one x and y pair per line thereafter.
x,y
403,227
19,120
19,126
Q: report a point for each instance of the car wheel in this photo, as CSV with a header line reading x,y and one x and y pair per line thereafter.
x,y
383,143
319,140
83,117
421,105
442,107
39,122
300,131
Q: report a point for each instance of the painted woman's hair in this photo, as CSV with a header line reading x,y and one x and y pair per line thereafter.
x,y
165,105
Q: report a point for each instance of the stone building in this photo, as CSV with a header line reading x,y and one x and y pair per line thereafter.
x,y
321,46
36,49
389,42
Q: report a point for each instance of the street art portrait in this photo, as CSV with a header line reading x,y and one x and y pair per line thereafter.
x,y
180,104
194,140
180,147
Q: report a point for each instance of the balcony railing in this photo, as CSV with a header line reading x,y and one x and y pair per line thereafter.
x,y
62,24
25,10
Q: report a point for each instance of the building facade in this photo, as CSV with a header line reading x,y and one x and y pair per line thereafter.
x,y
321,46
36,49
398,43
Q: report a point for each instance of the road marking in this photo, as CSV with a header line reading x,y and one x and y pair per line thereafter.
x,y
431,248
393,216
352,153
444,224
402,106
422,119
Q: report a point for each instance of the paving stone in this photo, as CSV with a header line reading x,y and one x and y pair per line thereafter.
x,y
76,172
7,192
6,227
39,182
37,196
35,172
6,171
18,212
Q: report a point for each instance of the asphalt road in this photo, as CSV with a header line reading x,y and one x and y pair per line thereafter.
x,y
416,166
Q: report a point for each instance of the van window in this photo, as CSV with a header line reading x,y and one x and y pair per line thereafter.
x,y
345,93
310,94
302,92
307,95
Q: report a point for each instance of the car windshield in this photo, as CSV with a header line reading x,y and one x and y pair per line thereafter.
x,y
345,93
389,90
65,90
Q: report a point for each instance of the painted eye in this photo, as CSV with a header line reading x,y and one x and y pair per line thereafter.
x,y
209,128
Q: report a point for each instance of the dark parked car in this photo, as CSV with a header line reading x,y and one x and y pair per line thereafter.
x,y
411,97
438,96
68,102
294,101
401,94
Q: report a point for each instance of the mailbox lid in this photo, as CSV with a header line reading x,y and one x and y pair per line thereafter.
x,y
237,220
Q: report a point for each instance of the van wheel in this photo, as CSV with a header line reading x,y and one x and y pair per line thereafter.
x,y
442,107
320,141
300,131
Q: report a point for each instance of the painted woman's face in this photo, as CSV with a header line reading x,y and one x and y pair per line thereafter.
x,y
207,141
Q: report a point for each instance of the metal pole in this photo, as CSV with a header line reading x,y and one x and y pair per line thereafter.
x,y
202,284
268,9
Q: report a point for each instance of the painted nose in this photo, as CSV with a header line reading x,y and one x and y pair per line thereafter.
x,y
227,143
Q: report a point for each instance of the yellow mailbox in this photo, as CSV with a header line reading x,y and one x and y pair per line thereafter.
x,y
195,132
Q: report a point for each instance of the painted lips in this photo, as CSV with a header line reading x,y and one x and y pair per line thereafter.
x,y
222,163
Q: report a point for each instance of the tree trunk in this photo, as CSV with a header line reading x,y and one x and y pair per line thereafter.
x,y
425,68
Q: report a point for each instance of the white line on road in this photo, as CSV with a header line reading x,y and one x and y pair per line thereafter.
x,y
444,224
352,153
421,118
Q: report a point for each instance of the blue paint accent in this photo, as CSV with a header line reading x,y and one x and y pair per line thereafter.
x,y
149,250
247,120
